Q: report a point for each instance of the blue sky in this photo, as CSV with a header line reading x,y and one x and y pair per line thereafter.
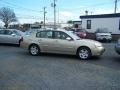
x,y
32,10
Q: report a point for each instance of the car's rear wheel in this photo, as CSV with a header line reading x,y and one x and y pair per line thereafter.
x,y
84,53
34,50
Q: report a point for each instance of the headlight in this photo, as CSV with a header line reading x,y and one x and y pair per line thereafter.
x,y
98,44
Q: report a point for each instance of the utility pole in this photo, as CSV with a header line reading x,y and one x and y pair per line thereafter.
x,y
54,6
115,6
44,15
58,16
54,14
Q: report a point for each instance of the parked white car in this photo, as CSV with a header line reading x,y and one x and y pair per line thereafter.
x,y
103,35
10,36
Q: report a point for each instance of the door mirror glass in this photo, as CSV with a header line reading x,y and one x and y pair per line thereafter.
x,y
68,38
13,34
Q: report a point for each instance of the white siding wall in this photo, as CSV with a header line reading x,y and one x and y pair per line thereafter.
x,y
111,23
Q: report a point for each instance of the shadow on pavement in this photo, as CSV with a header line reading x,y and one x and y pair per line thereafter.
x,y
64,56
13,45
116,59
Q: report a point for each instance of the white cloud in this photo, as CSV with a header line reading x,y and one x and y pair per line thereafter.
x,y
66,13
103,11
74,15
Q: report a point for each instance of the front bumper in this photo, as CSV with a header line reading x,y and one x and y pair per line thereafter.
x,y
98,51
104,38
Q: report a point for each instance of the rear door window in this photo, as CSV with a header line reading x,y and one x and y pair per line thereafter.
x,y
44,34
8,32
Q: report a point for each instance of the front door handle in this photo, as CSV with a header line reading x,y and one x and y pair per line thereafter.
x,y
56,40
39,40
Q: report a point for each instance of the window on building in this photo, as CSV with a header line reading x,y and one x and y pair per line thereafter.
x,y
88,24
119,24
76,26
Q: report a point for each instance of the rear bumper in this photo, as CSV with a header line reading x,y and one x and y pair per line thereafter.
x,y
24,45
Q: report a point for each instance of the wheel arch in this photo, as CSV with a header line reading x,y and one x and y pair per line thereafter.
x,y
83,47
33,44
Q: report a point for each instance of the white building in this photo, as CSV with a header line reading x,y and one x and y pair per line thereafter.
x,y
109,21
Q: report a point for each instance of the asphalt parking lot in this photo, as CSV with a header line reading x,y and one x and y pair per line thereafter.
x,y
21,71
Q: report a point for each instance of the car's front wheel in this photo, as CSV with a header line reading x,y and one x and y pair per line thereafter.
x,y
34,50
84,53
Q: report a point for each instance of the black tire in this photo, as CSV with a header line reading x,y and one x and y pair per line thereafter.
x,y
84,53
34,50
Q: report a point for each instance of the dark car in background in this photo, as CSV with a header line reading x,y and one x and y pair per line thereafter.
x,y
10,36
82,33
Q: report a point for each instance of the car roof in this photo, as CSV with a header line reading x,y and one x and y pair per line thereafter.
x,y
52,30
9,29
62,30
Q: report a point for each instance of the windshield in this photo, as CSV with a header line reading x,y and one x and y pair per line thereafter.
x,y
102,31
74,36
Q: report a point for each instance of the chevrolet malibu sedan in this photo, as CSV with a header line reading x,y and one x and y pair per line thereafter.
x,y
62,42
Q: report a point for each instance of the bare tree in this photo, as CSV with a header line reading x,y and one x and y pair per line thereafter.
x,y
7,16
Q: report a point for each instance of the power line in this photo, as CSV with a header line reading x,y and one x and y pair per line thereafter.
x,y
20,7
25,15
28,18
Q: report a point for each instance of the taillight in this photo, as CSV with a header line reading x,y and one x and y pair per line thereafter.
x,y
84,34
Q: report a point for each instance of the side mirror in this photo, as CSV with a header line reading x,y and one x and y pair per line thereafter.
x,y
13,34
68,38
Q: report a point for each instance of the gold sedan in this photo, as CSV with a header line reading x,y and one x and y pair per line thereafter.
x,y
63,42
